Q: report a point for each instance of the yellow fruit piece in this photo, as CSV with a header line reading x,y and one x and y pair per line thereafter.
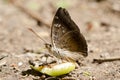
x,y
56,70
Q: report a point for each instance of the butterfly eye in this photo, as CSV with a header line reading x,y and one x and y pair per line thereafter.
x,y
50,45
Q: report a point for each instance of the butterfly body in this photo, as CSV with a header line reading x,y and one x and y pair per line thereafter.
x,y
67,41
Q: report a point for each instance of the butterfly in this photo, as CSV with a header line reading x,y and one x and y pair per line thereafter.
x,y
67,42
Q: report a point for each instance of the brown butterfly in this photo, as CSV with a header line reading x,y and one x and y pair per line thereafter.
x,y
67,41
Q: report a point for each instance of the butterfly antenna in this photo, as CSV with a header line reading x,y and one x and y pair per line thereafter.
x,y
37,35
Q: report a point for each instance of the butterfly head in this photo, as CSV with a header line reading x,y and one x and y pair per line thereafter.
x,y
48,46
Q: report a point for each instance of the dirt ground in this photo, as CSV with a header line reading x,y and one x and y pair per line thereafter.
x,y
98,20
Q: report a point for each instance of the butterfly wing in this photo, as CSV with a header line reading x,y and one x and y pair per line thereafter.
x,y
66,35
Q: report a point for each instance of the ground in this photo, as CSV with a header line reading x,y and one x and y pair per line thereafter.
x,y
98,21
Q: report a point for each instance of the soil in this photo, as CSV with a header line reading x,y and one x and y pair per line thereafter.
x,y
98,20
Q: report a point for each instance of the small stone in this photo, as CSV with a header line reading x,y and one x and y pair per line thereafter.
x,y
20,64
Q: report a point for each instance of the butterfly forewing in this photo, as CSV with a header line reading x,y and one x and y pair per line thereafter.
x,y
66,34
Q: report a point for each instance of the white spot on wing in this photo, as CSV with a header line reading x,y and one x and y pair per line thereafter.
x,y
57,25
63,31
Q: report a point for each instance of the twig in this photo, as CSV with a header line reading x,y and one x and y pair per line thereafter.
x,y
29,12
105,60
3,57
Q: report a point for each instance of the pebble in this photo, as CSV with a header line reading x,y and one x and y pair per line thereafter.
x,y
20,63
